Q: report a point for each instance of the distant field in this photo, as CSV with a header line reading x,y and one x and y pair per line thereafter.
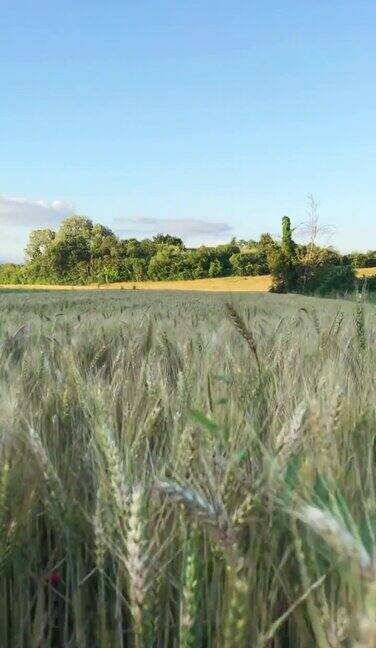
x,y
366,272
222,284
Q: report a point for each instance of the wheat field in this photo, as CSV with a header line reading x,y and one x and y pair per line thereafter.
x,y
186,470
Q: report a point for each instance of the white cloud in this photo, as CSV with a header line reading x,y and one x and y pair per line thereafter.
x,y
18,216
34,213
185,227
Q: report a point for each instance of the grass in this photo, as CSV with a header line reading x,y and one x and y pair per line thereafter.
x,y
177,472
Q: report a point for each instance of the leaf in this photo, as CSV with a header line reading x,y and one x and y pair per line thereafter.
x,y
203,420
321,491
291,475
241,456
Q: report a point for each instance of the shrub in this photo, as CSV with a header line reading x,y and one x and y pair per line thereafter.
x,y
245,264
332,279
367,283
11,273
215,269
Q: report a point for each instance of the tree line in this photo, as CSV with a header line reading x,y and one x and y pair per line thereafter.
x,y
81,252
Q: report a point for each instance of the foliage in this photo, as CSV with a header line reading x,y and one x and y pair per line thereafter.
x,y
39,242
309,268
283,271
215,268
170,262
11,273
362,260
248,263
167,239
330,279
81,252
175,472
367,284
288,246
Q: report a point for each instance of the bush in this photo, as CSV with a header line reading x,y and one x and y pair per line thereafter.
x,y
245,264
11,273
367,283
320,280
339,279
215,269
285,272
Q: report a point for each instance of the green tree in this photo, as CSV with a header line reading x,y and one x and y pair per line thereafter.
x,y
69,259
170,262
167,239
245,264
39,241
282,259
11,273
75,226
288,245
135,268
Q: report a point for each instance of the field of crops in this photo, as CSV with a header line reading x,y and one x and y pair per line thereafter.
x,y
179,471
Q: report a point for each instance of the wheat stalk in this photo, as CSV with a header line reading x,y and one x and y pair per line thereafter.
x,y
202,510
137,558
335,534
292,431
236,619
240,326
188,605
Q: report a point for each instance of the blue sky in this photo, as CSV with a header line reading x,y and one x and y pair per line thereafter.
x,y
208,118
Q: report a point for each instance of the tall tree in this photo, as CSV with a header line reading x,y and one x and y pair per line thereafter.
x,y
288,245
167,239
75,226
39,241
